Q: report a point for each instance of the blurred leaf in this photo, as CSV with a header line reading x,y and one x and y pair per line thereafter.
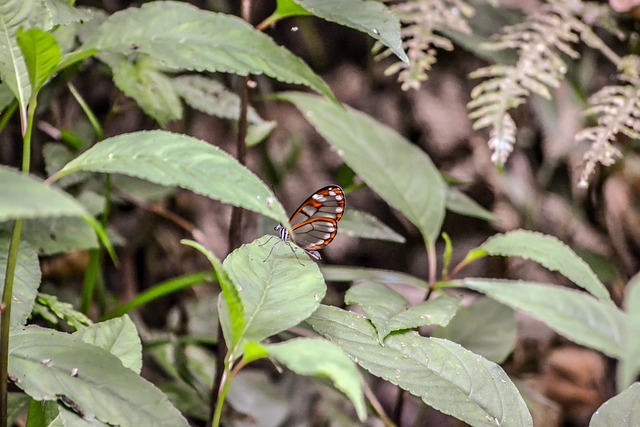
x,y
6,97
49,236
44,362
261,401
486,327
393,167
370,17
141,189
363,224
119,337
334,273
178,160
22,197
287,9
551,253
150,87
446,376
187,400
51,13
620,411
41,54
26,279
389,311
309,356
17,406
52,309
184,37
279,289
462,204
574,314
629,362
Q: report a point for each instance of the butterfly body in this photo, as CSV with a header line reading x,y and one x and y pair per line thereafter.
x,y
315,223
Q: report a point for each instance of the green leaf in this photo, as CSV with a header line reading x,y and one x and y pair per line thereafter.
x,y
184,37
177,160
371,17
629,363
22,197
462,204
41,54
402,174
52,309
279,288
25,281
50,236
574,314
486,327
389,311
286,9
17,406
333,273
234,305
446,376
150,87
52,13
320,358
549,252
48,364
363,224
119,337
620,411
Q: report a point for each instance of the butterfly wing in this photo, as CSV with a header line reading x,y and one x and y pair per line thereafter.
x,y
315,222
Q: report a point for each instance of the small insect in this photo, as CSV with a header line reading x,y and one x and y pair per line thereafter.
x,y
315,222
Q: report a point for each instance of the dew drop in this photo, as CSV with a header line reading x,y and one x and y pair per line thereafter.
x,y
294,29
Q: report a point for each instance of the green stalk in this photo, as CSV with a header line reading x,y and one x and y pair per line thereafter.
x,y
12,259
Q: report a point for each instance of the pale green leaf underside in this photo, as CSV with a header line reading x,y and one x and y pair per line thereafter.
x,y
308,356
278,290
50,236
25,282
21,197
486,327
622,410
337,273
187,38
362,224
445,375
629,363
551,253
462,204
402,174
371,17
574,314
117,336
177,160
43,360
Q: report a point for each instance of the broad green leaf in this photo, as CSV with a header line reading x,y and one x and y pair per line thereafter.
x,y
184,37
278,288
68,418
52,310
59,12
150,87
25,281
622,410
363,224
234,306
17,406
13,70
445,375
486,327
6,97
333,273
389,311
462,204
308,356
49,236
119,337
21,197
177,160
402,174
629,363
261,399
574,314
48,364
549,252
287,9
41,54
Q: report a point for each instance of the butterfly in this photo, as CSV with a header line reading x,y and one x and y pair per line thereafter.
x,y
315,223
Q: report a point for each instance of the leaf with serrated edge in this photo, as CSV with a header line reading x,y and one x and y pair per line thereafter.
x,y
278,289
389,311
47,363
26,280
629,363
619,411
444,374
308,356
184,37
402,174
574,314
177,160
549,252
